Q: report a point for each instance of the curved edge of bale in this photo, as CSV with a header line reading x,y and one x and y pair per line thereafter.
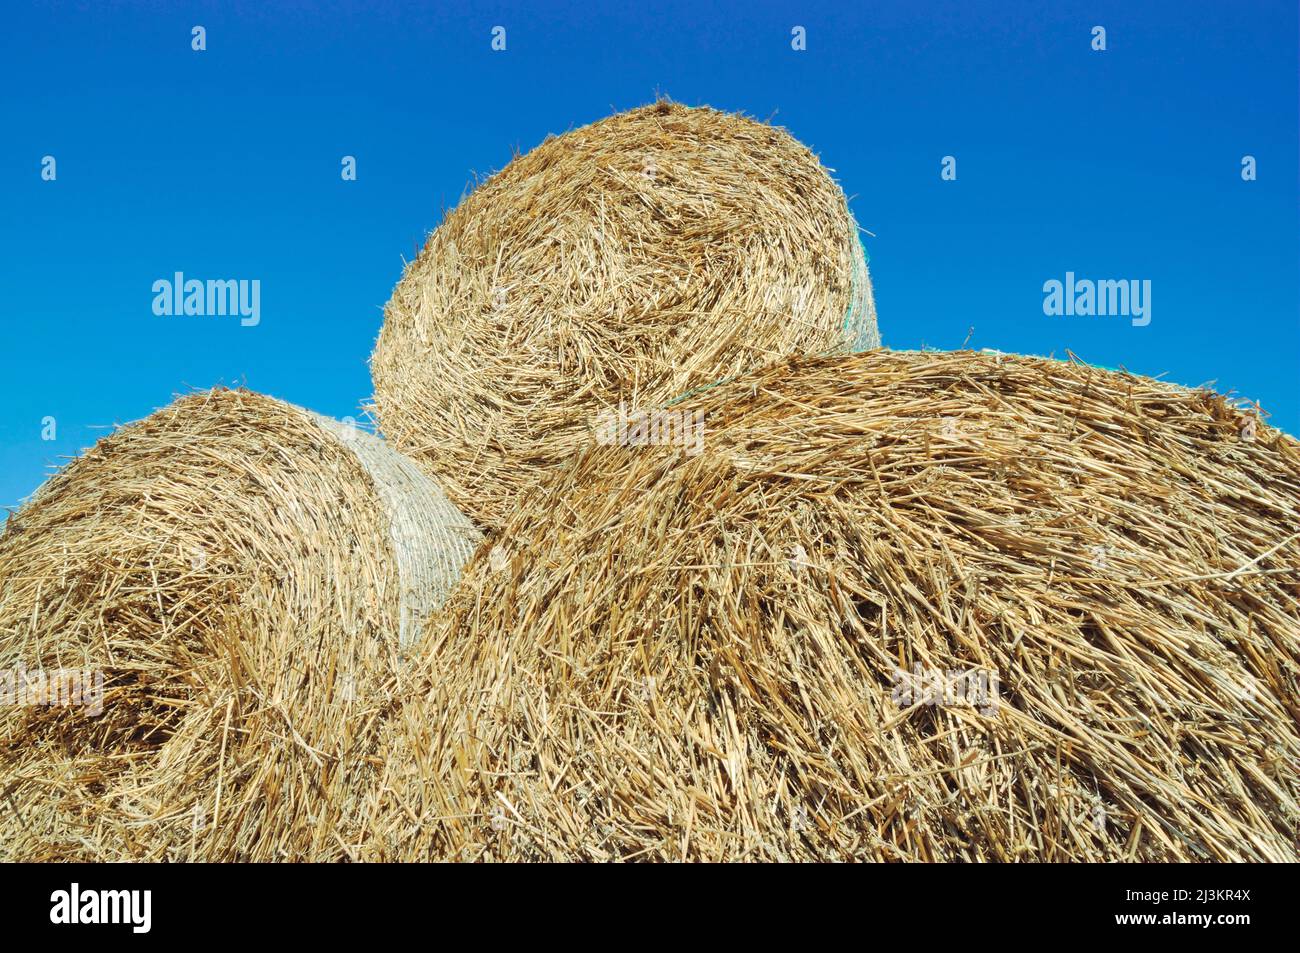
x,y
242,687
743,250
431,539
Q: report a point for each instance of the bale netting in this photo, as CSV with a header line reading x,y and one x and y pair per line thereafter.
x,y
902,606
201,624
622,263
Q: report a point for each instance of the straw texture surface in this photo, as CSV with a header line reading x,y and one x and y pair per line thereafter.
x,y
628,261
699,657
231,567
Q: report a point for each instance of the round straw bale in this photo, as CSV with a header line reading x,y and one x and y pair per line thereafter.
x,y
628,261
902,606
201,620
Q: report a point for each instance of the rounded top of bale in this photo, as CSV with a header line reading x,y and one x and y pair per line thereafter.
x,y
224,584
630,260
901,606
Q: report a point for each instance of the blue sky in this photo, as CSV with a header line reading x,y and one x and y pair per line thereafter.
x,y
226,164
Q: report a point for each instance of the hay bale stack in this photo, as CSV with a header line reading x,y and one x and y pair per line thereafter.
x,y
239,571
652,252
698,657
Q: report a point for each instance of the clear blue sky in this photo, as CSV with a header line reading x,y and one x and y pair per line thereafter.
x,y
225,164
